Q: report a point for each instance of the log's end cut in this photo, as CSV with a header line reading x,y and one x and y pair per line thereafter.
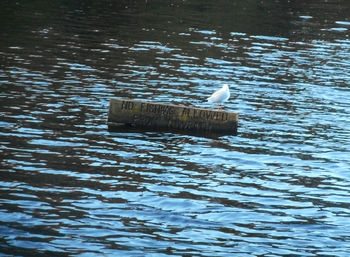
x,y
157,116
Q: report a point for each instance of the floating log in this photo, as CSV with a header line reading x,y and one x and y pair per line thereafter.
x,y
168,117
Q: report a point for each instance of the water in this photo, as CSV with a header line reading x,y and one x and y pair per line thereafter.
x,y
70,187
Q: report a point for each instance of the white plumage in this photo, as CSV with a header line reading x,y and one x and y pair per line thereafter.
x,y
220,96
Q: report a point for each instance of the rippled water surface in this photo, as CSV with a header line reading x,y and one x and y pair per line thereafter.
x,y
281,187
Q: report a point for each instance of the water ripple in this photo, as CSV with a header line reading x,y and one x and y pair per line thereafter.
x,y
68,186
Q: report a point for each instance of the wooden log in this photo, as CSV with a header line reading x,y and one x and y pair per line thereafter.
x,y
157,116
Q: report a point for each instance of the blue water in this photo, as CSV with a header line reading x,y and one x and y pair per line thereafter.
x,y
69,187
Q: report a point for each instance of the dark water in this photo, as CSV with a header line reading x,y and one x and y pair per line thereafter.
x,y
70,187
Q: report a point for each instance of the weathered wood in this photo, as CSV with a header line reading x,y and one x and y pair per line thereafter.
x,y
139,114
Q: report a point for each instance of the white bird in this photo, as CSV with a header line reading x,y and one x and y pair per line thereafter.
x,y
220,96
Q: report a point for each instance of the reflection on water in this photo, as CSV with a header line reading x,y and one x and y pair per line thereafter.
x,y
71,187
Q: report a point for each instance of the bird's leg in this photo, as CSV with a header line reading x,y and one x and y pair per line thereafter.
x,y
219,108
